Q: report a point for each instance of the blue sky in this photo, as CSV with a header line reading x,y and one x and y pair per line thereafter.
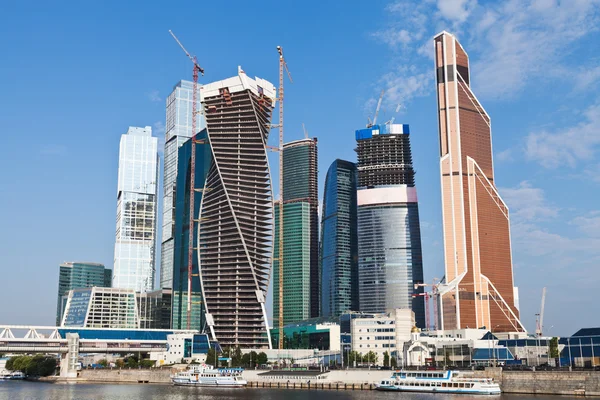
x,y
75,75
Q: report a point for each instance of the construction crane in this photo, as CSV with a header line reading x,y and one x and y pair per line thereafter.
x,y
434,294
195,71
540,317
305,131
374,122
282,66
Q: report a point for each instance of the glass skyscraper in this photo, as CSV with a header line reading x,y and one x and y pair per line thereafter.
x,y
178,130
135,244
181,234
301,285
77,275
390,261
339,241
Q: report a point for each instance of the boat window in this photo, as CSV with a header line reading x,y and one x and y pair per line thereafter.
x,y
443,384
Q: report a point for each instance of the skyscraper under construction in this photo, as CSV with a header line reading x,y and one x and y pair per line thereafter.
x,y
390,262
234,223
301,286
478,290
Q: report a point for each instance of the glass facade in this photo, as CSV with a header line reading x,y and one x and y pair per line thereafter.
x,y
339,241
98,307
155,309
390,259
76,275
181,237
301,292
178,130
296,263
134,266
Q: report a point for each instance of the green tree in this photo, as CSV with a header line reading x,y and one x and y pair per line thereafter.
x,y
120,363
236,357
553,347
147,363
386,359
211,356
103,362
354,357
393,362
370,357
131,362
262,358
40,365
245,360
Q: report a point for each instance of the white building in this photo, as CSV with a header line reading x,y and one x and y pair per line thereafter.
x,y
134,266
99,307
382,333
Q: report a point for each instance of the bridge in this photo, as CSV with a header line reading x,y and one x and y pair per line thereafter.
x,y
68,342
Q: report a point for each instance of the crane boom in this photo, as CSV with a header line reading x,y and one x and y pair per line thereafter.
x,y
378,107
192,58
541,323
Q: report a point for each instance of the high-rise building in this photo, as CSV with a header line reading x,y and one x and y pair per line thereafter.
x,y
390,261
301,285
478,289
181,233
235,214
136,211
178,130
339,241
76,275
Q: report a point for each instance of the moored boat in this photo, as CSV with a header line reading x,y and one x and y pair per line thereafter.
x,y
205,375
438,382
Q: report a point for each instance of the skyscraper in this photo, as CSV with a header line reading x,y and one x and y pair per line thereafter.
x,y
181,225
390,262
478,289
339,241
301,284
178,130
235,212
136,211
77,275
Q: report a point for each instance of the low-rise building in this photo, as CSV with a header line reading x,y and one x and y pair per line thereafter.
x,y
100,307
381,333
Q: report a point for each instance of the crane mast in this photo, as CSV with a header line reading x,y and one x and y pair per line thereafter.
x,y
282,66
195,71
540,320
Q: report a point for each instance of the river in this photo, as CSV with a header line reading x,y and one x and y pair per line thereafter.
x,y
11,390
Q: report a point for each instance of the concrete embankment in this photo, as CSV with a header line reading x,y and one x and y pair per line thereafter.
x,y
575,383
581,383
124,375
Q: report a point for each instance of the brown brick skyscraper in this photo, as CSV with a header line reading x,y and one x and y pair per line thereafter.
x,y
478,290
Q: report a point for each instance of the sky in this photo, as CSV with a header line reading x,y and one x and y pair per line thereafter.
x,y
75,75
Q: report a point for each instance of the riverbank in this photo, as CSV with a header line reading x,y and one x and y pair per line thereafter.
x,y
576,383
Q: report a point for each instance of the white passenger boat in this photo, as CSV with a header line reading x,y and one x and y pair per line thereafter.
x,y
437,382
10,376
205,375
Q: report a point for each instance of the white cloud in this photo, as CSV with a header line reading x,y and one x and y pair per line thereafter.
x,y
520,40
456,10
154,96
504,155
527,203
589,224
587,78
566,146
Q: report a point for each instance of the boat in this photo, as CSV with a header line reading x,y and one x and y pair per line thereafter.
x,y
205,375
438,382
10,376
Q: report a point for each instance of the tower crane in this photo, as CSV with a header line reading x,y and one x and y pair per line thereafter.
x,y
197,68
282,66
374,122
540,317
434,294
